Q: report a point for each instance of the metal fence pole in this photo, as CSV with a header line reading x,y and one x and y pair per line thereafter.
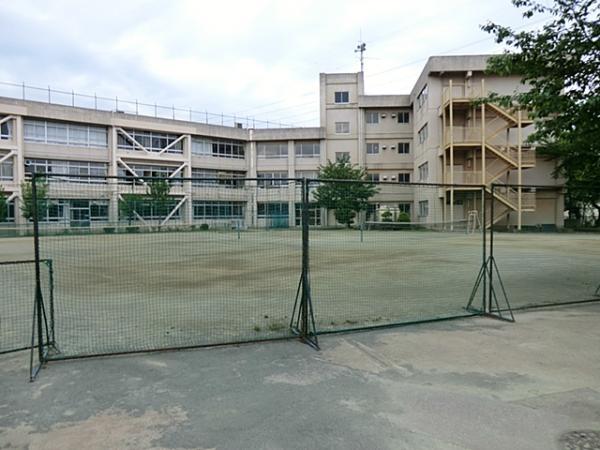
x,y
305,261
491,258
484,256
38,284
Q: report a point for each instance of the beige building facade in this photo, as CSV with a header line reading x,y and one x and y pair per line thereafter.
x,y
435,134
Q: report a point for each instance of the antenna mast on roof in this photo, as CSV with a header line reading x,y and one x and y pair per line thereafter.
x,y
361,48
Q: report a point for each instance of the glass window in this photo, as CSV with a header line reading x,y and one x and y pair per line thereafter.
x,y
65,133
404,177
372,148
6,170
270,210
404,207
342,156
404,148
314,215
57,133
272,150
422,97
209,209
372,117
423,134
307,149
373,177
6,130
271,179
403,117
342,97
423,208
424,171
342,127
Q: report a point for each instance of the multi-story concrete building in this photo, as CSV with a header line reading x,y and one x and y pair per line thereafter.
x,y
436,134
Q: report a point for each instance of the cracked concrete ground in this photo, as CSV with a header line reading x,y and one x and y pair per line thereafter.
x,y
462,384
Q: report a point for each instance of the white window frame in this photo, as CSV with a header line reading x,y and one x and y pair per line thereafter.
x,y
342,94
372,117
372,148
341,126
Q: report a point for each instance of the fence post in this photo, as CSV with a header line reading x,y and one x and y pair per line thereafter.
x,y
305,261
484,256
38,284
488,308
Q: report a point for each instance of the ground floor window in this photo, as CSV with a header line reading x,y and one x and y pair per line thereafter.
x,y
132,208
423,208
314,215
269,210
76,212
404,207
218,210
10,212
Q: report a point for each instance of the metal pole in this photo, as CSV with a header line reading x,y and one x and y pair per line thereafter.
x,y
491,259
23,90
484,256
38,283
72,98
136,107
49,98
95,101
305,261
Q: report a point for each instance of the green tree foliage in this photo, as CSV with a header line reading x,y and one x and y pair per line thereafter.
x,y
3,205
345,199
561,65
158,193
156,200
28,202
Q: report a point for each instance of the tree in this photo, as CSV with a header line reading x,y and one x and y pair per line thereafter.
x,y
28,202
561,66
3,205
158,193
345,198
128,205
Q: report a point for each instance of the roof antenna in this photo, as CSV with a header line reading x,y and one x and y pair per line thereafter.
x,y
361,48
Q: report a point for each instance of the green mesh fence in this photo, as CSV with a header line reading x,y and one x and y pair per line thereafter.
x,y
202,262
412,255
543,264
17,294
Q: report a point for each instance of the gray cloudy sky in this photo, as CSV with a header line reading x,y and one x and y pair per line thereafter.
x,y
253,58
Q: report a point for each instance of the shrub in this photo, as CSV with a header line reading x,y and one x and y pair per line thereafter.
x,y
109,230
403,217
386,216
204,227
132,229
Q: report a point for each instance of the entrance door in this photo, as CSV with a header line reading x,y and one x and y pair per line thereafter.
x,y
80,213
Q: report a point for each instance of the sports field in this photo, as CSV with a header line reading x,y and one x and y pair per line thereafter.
x,y
126,292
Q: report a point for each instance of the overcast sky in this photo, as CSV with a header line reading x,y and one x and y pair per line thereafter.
x,y
252,58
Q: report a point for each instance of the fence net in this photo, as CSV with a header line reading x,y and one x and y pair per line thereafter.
x,y
412,255
144,264
17,295
544,263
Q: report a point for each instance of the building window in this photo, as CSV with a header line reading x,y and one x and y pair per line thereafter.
x,y
77,213
151,141
342,97
422,97
6,130
403,117
10,212
272,210
76,135
271,179
68,170
372,117
307,149
308,174
372,148
6,170
148,209
219,149
272,150
314,215
404,177
342,156
423,134
424,171
211,177
148,171
404,207
423,208
404,148
372,177
342,127
210,209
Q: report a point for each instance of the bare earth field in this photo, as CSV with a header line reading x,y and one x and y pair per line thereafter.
x,y
124,292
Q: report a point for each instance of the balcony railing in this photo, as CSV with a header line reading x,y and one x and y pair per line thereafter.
x,y
462,92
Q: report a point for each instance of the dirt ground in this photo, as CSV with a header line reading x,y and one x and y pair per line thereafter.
x,y
124,292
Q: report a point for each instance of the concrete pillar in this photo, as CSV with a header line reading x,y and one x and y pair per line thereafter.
x,y
18,168
188,208
113,206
